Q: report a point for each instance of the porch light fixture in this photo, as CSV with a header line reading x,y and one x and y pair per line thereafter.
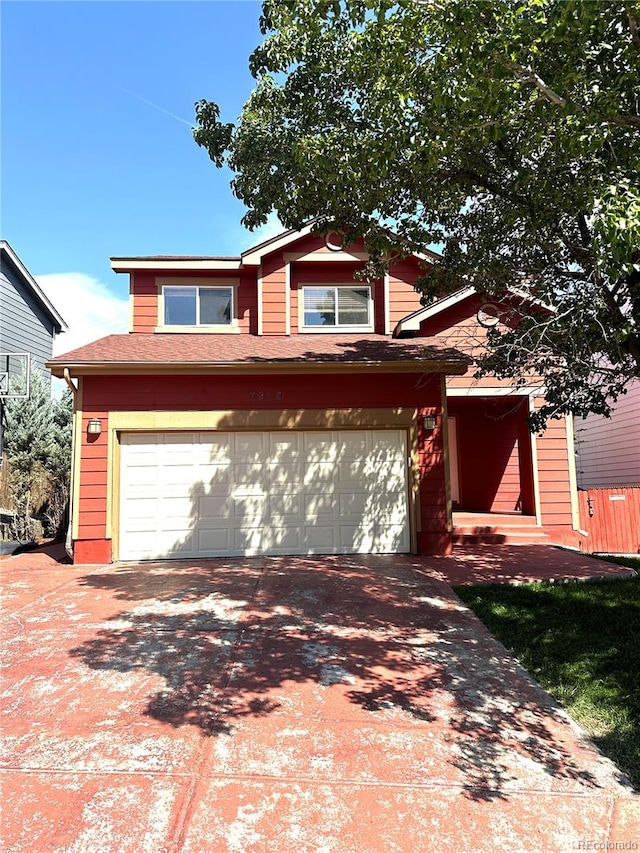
x,y
429,422
94,427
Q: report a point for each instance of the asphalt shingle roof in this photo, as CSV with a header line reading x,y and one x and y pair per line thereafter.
x,y
228,349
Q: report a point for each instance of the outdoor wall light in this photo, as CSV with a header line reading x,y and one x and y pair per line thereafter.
x,y
429,422
94,427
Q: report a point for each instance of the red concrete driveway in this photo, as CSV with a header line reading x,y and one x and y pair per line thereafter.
x,y
308,705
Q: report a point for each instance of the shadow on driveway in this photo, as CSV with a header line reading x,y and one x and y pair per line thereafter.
x,y
312,643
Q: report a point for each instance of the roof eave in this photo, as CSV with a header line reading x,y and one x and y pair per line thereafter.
x,y
175,264
452,367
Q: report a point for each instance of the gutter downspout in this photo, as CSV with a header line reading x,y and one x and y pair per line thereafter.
x,y
68,542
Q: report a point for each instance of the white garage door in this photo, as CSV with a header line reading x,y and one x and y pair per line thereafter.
x,y
212,494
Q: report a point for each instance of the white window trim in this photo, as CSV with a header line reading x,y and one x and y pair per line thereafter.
x,y
205,283
333,330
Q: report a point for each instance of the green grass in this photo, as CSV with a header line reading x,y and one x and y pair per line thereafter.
x,y
581,641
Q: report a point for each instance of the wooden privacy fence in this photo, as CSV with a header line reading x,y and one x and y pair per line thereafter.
x,y
610,518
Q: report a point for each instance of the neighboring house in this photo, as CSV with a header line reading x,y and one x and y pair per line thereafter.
x,y
28,320
608,463
271,404
608,449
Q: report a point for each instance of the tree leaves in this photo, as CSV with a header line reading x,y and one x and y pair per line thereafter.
x,y
509,131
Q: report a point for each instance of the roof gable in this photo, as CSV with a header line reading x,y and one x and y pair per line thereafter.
x,y
294,242
412,322
28,281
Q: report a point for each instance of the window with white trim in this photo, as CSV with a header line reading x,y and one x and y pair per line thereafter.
x,y
337,307
197,306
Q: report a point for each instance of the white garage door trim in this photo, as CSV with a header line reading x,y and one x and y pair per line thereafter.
x,y
221,494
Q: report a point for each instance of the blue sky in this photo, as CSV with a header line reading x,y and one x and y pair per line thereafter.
x,y
90,169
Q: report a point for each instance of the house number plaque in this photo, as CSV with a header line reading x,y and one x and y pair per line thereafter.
x,y
262,396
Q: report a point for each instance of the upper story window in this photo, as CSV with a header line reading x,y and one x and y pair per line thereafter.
x,y
337,307
198,306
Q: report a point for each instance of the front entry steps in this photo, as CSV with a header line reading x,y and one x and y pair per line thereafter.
x,y
492,528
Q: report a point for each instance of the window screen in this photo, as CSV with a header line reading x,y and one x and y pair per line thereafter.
x,y
337,306
198,306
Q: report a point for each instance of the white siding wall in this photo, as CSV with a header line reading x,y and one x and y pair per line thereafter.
x,y
608,449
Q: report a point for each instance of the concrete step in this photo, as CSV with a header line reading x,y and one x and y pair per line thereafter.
x,y
493,528
492,519
496,538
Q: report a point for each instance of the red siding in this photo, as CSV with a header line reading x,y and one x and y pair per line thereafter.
x,y
554,482
201,393
144,294
611,519
92,487
403,297
247,307
273,295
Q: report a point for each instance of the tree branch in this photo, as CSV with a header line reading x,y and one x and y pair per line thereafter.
x,y
633,26
526,74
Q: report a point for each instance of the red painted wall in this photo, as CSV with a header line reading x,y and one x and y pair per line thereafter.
x,y
102,394
403,298
144,298
273,295
554,483
494,456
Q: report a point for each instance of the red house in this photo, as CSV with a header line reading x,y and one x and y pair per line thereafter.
x,y
273,404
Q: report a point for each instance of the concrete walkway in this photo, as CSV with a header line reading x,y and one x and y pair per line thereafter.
x,y
288,704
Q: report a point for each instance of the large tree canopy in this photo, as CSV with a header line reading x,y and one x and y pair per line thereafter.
x,y
507,132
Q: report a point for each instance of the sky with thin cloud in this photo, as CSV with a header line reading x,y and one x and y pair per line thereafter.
x,y
98,159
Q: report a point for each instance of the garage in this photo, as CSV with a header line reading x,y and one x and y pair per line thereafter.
x,y
221,494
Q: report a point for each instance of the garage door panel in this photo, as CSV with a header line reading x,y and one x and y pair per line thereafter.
x,y
217,494
320,447
217,453
138,546
216,507
272,540
179,477
250,445
143,471
356,537
282,540
319,474
249,510
284,446
353,504
352,474
212,540
177,506
215,478
285,508
353,445
392,539
284,482
320,507
321,539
